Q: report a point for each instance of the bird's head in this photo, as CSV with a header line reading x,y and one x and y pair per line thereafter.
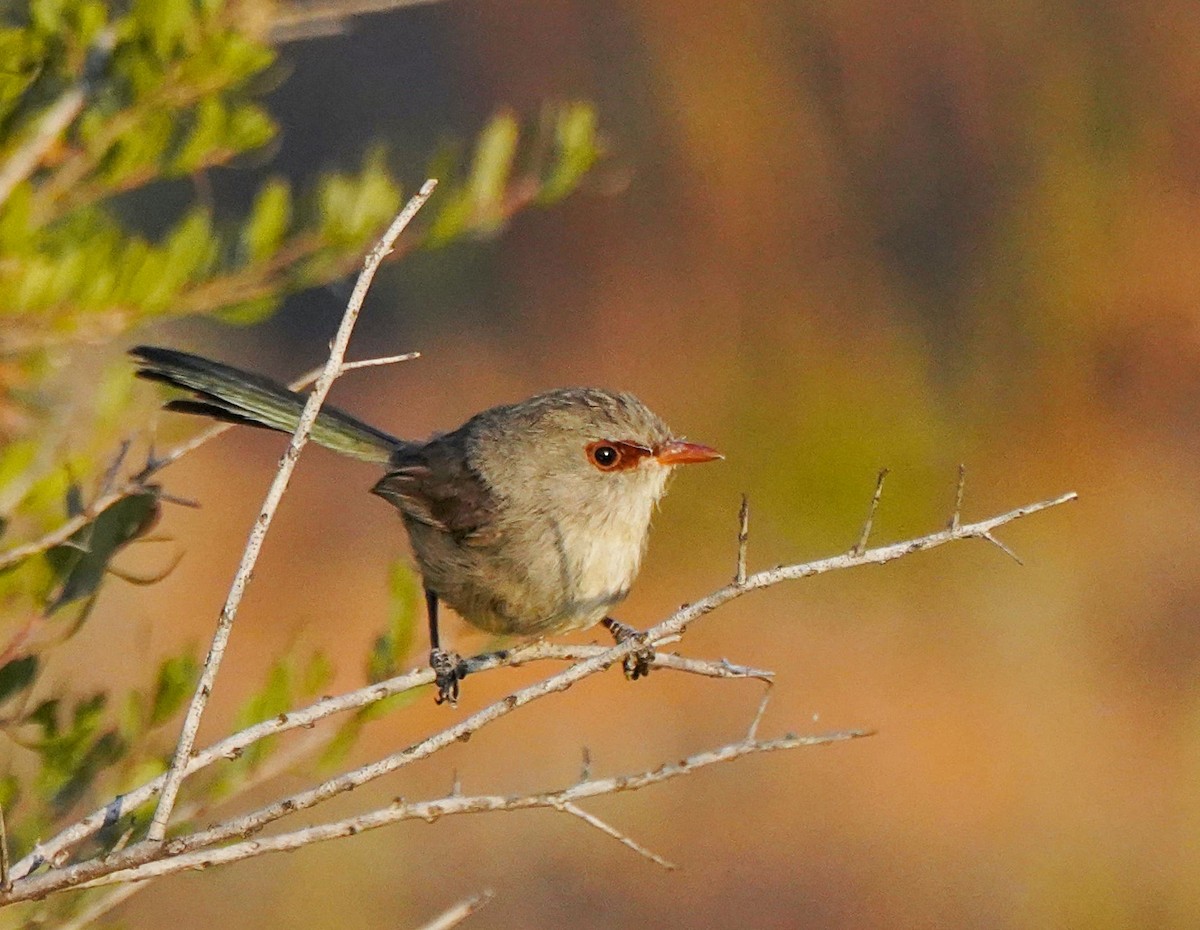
x,y
581,450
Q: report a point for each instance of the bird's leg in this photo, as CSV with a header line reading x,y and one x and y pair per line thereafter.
x,y
448,667
637,663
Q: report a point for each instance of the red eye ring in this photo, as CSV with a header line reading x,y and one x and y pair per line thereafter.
x,y
604,455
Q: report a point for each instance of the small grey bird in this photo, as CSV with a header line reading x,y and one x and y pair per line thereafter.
x,y
529,519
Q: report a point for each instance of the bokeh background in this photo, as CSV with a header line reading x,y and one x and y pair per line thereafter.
x,y
831,237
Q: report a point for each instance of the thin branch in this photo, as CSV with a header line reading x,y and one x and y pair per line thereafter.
x,y
311,19
305,718
133,859
101,906
752,732
1002,547
375,362
865,536
960,488
154,464
452,917
609,830
177,769
743,540
430,811
5,872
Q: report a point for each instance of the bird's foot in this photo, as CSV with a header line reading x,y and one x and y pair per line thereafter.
x,y
637,663
448,670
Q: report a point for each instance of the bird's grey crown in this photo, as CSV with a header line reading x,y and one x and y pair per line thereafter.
x,y
600,413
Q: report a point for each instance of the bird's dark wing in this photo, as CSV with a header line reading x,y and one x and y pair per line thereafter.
x,y
434,485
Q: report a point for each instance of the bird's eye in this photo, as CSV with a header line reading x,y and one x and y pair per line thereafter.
x,y
604,455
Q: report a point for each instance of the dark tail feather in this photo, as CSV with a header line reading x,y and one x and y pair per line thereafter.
x,y
235,396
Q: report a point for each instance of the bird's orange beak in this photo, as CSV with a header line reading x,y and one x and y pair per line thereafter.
x,y
678,452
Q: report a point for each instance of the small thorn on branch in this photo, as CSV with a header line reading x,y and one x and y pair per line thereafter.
x,y
752,732
604,827
110,475
376,362
956,517
459,912
861,546
1002,547
743,540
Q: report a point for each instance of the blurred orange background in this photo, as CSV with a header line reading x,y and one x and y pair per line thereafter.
x,y
833,237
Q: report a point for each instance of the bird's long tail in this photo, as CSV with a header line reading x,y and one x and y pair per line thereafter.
x,y
230,394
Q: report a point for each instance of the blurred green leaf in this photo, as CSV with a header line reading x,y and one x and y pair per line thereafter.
x,y
269,219
10,791
491,169
176,681
81,562
17,675
394,646
318,673
577,151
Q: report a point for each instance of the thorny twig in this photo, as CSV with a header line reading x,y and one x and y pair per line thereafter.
x,y
144,860
337,353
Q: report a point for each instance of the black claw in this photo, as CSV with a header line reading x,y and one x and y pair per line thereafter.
x,y
637,663
448,670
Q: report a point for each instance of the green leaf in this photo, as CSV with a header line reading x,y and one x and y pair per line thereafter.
x,y
318,673
334,752
269,220
248,127
249,312
16,676
10,791
577,149
168,25
206,135
81,562
131,720
176,680
15,459
100,755
45,715
390,649
491,169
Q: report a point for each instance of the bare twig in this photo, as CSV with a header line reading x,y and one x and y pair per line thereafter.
x,y
956,517
177,769
609,830
5,873
376,362
743,540
865,536
191,848
452,917
1002,547
233,746
401,810
752,733
109,496
311,19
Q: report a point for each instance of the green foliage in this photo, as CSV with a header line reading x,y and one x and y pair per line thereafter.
x,y
287,686
395,645
506,176
99,101
16,676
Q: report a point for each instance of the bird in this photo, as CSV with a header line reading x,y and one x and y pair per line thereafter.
x,y
529,520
